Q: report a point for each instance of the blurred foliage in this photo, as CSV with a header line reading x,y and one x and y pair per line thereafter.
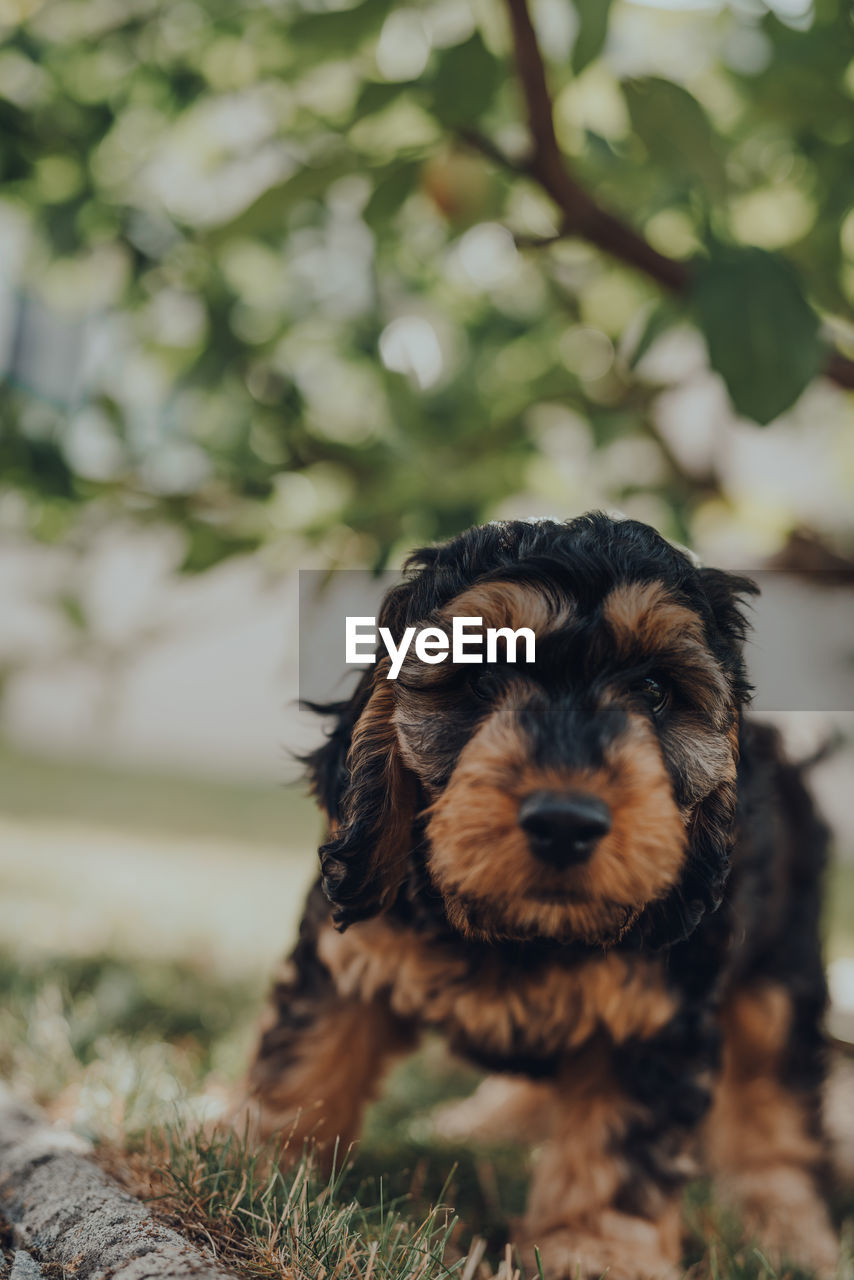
x,y
261,285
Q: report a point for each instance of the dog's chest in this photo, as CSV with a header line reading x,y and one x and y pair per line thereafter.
x,y
498,1010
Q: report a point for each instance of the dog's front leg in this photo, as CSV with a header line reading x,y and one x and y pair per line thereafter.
x,y
605,1191
321,1054
764,1138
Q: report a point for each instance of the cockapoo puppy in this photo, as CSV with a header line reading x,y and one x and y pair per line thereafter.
x,y
589,872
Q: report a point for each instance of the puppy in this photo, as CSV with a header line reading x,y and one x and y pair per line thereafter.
x,y
591,873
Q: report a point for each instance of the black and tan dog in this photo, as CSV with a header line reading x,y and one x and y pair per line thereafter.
x,y
592,874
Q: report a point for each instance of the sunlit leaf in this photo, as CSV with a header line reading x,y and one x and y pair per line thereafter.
x,y
593,18
267,213
676,132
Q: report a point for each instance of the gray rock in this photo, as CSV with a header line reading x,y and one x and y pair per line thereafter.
x,y
25,1267
65,1206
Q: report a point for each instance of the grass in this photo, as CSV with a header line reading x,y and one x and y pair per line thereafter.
x,y
113,1045
294,1225
266,1223
128,1025
127,1052
68,791
96,861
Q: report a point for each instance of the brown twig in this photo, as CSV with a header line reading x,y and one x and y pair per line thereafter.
x,y
546,164
583,216
840,369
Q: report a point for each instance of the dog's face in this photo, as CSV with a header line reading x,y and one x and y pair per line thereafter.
x,y
585,797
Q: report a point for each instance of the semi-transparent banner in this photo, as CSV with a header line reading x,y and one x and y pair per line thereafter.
x,y
800,653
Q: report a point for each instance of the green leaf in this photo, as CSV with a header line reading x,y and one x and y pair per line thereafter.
x,y
376,95
392,188
266,214
762,334
661,318
73,610
340,30
207,545
593,18
676,132
465,81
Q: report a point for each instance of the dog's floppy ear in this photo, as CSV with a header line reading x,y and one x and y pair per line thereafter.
x,y
369,795
726,595
712,832
701,887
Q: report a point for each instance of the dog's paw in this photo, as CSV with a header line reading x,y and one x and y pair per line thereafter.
x,y
570,1254
501,1109
785,1245
783,1213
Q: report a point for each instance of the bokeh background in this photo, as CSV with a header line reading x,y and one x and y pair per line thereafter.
x,y
291,285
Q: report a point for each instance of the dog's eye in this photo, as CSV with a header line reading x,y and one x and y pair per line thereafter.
x,y
485,685
654,693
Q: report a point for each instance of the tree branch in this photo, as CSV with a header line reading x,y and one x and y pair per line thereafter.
x,y
480,142
582,215
840,370
546,164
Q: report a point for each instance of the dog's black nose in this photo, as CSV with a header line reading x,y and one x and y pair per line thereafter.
x,y
563,827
